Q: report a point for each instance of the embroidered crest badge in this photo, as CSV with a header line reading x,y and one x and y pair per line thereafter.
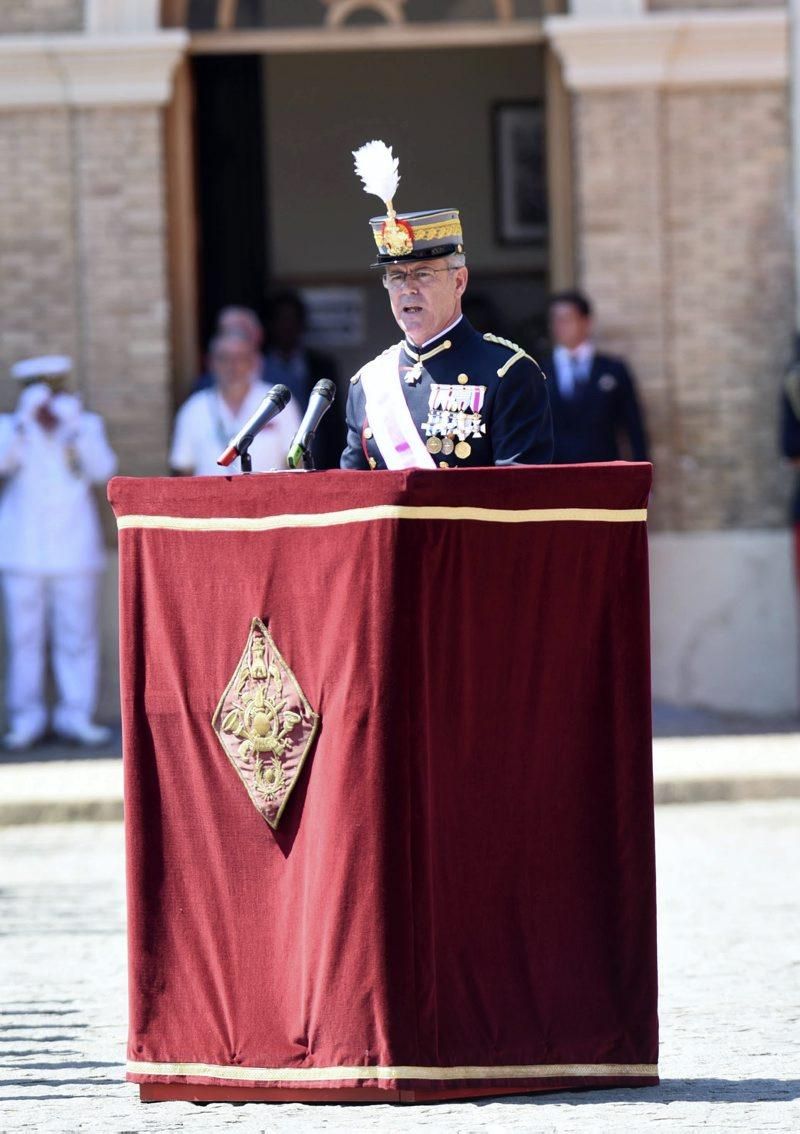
x,y
265,724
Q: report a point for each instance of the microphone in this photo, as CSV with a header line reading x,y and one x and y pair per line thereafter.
x,y
276,400
319,403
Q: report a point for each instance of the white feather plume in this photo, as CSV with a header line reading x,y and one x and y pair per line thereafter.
x,y
377,168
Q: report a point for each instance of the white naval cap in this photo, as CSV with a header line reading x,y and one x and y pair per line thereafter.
x,y
44,366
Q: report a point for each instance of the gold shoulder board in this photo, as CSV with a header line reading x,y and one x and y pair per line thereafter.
x,y
518,353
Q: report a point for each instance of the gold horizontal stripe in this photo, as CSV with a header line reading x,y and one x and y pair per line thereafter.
x,y
433,231
436,231
382,512
331,1074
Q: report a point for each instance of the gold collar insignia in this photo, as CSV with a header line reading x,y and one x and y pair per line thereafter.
x,y
415,373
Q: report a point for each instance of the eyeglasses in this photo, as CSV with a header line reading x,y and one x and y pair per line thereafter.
x,y
394,281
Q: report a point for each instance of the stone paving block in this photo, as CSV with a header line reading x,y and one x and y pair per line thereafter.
x,y
730,996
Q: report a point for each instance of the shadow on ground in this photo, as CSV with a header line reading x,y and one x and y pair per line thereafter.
x,y
54,748
670,720
671,1091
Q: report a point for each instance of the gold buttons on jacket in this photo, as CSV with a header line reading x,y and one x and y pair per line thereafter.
x,y
373,464
463,379
368,433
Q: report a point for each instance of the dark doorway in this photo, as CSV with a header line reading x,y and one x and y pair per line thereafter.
x,y
230,184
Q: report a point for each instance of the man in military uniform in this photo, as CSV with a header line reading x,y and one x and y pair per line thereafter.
x,y
51,553
445,396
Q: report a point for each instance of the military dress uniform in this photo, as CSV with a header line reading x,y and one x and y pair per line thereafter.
x,y
475,399
460,399
51,555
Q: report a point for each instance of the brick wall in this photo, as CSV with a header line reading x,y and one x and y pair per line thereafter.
x,y
684,242
19,16
37,252
82,247
124,279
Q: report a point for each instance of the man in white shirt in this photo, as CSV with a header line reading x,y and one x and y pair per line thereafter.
x,y
206,422
51,553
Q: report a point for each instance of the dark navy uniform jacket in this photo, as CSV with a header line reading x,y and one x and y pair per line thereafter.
x,y
588,425
790,430
514,410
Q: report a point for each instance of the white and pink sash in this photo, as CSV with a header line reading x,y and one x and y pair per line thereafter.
x,y
393,427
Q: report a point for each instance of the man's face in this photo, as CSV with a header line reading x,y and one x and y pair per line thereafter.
x,y
425,296
568,327
232,361
239,322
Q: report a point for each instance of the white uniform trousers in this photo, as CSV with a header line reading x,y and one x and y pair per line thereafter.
x,y
63,609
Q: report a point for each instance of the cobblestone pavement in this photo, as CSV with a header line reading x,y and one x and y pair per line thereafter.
x,y
730,995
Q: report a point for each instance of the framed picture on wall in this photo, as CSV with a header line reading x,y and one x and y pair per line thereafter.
x,y
520,172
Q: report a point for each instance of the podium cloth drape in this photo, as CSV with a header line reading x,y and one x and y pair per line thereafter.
x,y
460,895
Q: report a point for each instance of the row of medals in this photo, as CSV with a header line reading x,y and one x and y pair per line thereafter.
x,y
444,445
447,445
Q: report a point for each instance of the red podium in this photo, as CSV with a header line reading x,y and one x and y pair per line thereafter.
x,y
458,897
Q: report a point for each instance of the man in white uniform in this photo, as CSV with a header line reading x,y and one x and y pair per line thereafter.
x,y
51,553
206,422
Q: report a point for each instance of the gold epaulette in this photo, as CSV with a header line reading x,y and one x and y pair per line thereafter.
x,y
519,352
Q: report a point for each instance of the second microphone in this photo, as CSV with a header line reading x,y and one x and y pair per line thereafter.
x,y
319,402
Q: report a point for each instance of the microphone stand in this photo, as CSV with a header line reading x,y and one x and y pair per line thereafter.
x,y
307,460
244,455
247,460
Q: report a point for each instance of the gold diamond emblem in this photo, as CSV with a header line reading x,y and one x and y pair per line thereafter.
x,y
265,724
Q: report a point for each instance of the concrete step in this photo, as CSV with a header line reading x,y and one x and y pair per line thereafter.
x,y
693,769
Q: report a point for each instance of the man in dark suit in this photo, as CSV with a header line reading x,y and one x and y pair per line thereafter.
x,y
592,396
790,446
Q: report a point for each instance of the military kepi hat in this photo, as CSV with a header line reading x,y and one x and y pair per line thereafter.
x,y
43,366
403,236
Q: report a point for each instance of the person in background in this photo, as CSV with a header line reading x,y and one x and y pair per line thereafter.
x,y
209,418
288,360
790,447
243,321
240,321
51,554
592,395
